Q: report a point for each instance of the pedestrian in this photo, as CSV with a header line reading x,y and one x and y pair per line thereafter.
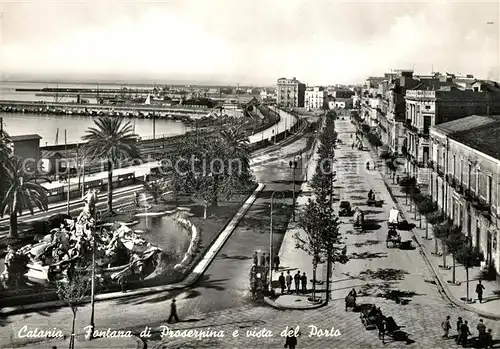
x,y
255,258
291,339
296,278
459,330
303,280
289,281
479,290
173,312
381,328
446,327
481,328
277,262
282,282
268,261
465,334
488,339
263,259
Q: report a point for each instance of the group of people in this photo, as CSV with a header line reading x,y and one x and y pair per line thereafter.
x,y
299,280
484,338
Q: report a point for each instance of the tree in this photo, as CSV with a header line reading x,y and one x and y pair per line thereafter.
x,y
466,253
426,207
441,232
435,218
454,241
111,140
321,236
21,192
407,184
73,292
208,169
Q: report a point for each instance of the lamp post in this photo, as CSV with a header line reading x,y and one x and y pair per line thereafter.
x,y
281,196
293,166
98,219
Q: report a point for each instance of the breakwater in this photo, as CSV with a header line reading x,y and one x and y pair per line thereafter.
x,y
125,110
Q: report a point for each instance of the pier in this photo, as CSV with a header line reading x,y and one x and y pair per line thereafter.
x,y
83,109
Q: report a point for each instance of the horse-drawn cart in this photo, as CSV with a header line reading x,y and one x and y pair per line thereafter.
x,y
393,238
369,317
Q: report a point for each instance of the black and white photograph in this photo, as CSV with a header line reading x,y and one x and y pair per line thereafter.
x,y
249,174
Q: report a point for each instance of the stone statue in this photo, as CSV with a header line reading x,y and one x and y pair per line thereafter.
x,y
90,200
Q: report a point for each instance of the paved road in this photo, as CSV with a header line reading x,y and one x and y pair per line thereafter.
x,y
224,285
286,122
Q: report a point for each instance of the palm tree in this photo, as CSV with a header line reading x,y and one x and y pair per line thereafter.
x,y
237,142
111,140
5,153
21,192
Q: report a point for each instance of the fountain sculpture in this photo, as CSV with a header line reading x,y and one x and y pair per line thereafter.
x,y
119,251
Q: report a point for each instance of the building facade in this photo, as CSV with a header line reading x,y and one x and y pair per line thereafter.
x,y
315,98
465,178
291,93
447,102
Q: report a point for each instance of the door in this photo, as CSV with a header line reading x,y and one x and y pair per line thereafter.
x,y
478,234
489,249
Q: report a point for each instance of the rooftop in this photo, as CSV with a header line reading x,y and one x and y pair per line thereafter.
x,y
481,133
25,137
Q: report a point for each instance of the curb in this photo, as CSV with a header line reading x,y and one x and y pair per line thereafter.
x,y
276,305
444,287
190,279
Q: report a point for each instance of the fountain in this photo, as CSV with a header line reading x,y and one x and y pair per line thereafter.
x,y
119,250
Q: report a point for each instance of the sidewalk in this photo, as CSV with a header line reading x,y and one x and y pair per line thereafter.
x,y
301,260
456,293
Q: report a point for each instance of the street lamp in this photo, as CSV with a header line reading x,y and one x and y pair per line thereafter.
x,y
293,165
281,196
98,218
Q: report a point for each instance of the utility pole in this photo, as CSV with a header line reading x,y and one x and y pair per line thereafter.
x,y
271,256
293,165
68,174
98,219
154,131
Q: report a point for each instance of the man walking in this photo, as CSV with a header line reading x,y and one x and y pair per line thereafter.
x,y
277,262
173,312
282,282
446,327
381,328
465,334
255,258
459,330
263,259
296,278
268,261
289,281
479,290
303,279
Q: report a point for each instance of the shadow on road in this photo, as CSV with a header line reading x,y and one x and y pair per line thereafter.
x,y
368,255
367,243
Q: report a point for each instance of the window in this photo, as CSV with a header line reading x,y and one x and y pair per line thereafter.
x,y
454,164
461,171
469,175
478,174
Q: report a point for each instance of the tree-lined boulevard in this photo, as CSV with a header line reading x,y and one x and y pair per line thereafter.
x,y
399,281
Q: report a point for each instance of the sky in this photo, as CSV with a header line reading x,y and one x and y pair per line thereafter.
x,y
320,42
